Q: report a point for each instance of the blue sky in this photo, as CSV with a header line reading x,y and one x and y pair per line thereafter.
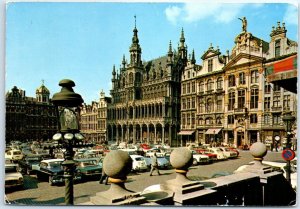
x,y
51,41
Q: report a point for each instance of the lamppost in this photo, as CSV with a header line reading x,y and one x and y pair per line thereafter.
x,y
67,104
288,121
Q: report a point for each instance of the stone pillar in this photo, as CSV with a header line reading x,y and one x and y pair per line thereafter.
x,y
127,134
235,138
117,135
117,165
134,134
186,192
148,138
155,135
141,136
122,128
163,134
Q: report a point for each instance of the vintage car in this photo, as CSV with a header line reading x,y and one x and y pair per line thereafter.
x,y
89,167
52,171
14,155
218,152
200,158
204,151
163,162
30,164
13,178
228,153
138,163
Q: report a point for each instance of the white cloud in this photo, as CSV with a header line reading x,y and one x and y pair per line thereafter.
x,y
291,15
195,11
173,13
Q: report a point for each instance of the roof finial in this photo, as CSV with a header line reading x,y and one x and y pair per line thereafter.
x,y
43,81
134,21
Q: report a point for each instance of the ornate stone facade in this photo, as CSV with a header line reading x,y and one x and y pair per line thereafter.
x,y
28,118
146,97
235,103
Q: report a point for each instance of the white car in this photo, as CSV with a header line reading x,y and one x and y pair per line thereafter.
x,y
138,163
13,178
14,155
228,153
218,152
199,158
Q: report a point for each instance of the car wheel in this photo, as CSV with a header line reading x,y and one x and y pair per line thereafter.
x,y
50,180
195,162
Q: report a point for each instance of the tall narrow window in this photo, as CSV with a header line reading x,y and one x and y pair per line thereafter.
x,y
201,86
188,101
230,119
193,102
201,107
210,85
242,79
220,83
254,76
231,80
241,99
183,104
193,87
188,88
267,103
276,119
219,103
209,105
276,87
267,88
277,48
193,120
276,101
286,101
183,120
183,88
231,101
210,65
253,118
254,98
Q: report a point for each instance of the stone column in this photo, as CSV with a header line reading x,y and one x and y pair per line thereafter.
x,y
163,134
141,136
148,138
134,134
128,134
122,129
155,135
117,135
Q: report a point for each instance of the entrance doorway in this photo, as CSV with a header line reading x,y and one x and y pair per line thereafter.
x,y
240,138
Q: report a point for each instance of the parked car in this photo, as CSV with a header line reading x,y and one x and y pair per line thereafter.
x,y
14,155
89,168
138,163
13,178
30,164
228,153
163,162
200,158
218,152
212,156
52,171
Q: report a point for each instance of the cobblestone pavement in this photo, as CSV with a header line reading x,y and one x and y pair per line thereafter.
x,y
40,193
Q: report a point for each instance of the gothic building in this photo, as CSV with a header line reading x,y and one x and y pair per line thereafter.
x,y
235,103
29,118
145,104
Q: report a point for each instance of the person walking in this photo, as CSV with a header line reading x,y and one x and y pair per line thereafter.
x,y
104,177
154,164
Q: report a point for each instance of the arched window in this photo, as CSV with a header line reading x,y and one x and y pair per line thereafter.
x,y
220,83
231,80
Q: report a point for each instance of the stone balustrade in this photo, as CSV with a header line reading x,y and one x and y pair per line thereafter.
x,y
253,185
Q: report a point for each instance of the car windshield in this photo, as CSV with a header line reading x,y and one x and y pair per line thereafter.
x,y
139,158
17,152
10,169
88,163
55,164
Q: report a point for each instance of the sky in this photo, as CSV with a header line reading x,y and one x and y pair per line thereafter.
x,y
50,41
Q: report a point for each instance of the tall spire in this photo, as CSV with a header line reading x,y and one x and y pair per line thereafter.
x,y
193,60
170,53
135,49
182,49
114,72
123,61
182,39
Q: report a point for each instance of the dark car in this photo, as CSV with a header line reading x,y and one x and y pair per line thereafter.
x,y
30,164
52,171
89,168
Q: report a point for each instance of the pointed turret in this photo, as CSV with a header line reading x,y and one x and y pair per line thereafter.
x,y
193,60
135,49
181,48
170,53
113,80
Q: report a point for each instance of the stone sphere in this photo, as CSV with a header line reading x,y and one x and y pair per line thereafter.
x,y
181,158
117,164
258,150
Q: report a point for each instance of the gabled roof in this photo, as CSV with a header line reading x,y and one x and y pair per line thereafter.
x,y
242,59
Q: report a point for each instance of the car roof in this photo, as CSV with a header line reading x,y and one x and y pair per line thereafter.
x,y
52,160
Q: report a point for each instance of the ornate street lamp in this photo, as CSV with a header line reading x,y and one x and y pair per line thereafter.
x,y
67,104
288,121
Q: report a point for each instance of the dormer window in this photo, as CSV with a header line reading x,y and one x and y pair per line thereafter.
x,y
277,48
210,65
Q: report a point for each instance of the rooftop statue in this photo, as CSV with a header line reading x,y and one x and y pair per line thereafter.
x,y
244,24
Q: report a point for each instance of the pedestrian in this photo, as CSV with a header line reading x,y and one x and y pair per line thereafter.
x,y
104,177
154,164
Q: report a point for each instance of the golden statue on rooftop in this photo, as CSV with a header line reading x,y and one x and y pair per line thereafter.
x,y
244,24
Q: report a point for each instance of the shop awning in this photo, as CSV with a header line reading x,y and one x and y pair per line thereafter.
x,y
186,132
213,131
